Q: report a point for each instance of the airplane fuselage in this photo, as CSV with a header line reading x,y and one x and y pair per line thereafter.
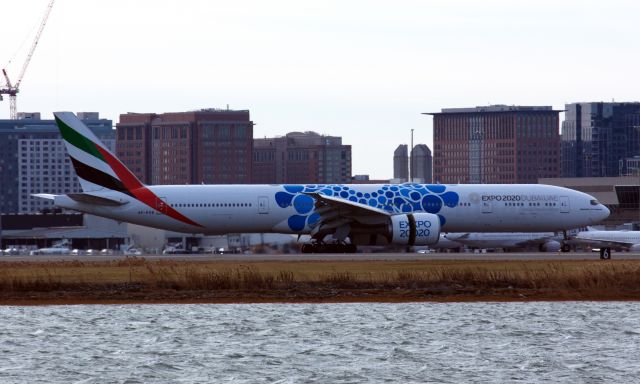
x,y
221,209
504,239
630,237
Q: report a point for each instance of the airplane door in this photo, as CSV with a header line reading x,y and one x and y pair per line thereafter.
x,y
161,205
487,207
564,204
263,204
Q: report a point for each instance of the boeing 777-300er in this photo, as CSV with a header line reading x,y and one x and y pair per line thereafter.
x,y
338,217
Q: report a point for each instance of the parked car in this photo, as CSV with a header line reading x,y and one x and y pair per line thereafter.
x,y
133,252
11,251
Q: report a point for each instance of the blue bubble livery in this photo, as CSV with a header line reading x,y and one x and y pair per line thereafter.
x,y
395,199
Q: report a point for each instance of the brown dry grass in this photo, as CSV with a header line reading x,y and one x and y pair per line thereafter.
x,y
415,280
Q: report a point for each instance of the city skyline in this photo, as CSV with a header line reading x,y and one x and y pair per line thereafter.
x,y
364,71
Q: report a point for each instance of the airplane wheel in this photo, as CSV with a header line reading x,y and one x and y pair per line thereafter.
x,y
351,248
605,253
319,248
565,248
307,248
333,248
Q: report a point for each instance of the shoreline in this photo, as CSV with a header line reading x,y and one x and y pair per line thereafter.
x,y
141,281
348,298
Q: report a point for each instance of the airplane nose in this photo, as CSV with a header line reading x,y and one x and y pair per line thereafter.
x,y
599,215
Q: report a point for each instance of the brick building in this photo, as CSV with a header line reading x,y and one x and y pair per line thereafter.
x,y
211,146
496,144
301,157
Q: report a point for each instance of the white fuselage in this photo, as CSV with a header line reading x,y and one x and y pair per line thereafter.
x,y
503,239
220,209
632,237
622,239
445,243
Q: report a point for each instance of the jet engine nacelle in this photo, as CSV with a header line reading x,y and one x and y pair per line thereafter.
x,y
550,246
635,248
415,229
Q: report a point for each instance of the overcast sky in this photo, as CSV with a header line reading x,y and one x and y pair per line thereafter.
x,y
363,70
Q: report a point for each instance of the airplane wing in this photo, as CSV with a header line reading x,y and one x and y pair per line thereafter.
x,y
603,242
323,201
535,242
457,236
335,213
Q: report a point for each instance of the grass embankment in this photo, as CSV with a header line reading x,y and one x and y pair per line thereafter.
x,y
139,280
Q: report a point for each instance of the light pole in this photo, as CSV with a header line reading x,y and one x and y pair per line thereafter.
x,y
411,158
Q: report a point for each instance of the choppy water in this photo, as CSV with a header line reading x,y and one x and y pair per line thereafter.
x,y
329,343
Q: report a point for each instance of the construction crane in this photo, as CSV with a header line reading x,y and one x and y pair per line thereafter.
x,y
12,90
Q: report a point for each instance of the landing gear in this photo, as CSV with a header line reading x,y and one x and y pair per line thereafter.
x,y
565,247
605,253
328,248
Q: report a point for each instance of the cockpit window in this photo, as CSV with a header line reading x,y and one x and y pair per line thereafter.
x,y
594,202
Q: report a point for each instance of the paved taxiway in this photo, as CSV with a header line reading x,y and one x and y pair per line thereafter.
x,y
338,257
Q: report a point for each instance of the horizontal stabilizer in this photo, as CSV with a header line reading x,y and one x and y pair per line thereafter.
x,y
46,196
95,200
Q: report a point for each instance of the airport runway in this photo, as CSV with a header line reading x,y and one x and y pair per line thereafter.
x,y
339,257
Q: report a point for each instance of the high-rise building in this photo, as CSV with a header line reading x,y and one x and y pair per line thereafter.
x,y
630,166
421,164
496,144
33,159
211,146
401,163
597,138
301,157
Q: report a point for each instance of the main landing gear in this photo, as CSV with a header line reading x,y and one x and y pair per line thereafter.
x,y
565,247
328,248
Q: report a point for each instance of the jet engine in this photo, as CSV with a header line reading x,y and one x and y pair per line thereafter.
x,y
635,248
550,246
415,229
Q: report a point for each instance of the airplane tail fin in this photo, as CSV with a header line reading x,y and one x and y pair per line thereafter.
x,y
97,168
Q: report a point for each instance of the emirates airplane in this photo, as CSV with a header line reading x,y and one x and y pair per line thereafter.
x,y
338,217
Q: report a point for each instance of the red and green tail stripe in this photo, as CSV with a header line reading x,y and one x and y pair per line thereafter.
x,y
126,182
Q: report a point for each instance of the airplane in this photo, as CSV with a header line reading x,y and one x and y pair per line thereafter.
x,y
442,244
446,243
338,217
544,241
58,248
605,240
